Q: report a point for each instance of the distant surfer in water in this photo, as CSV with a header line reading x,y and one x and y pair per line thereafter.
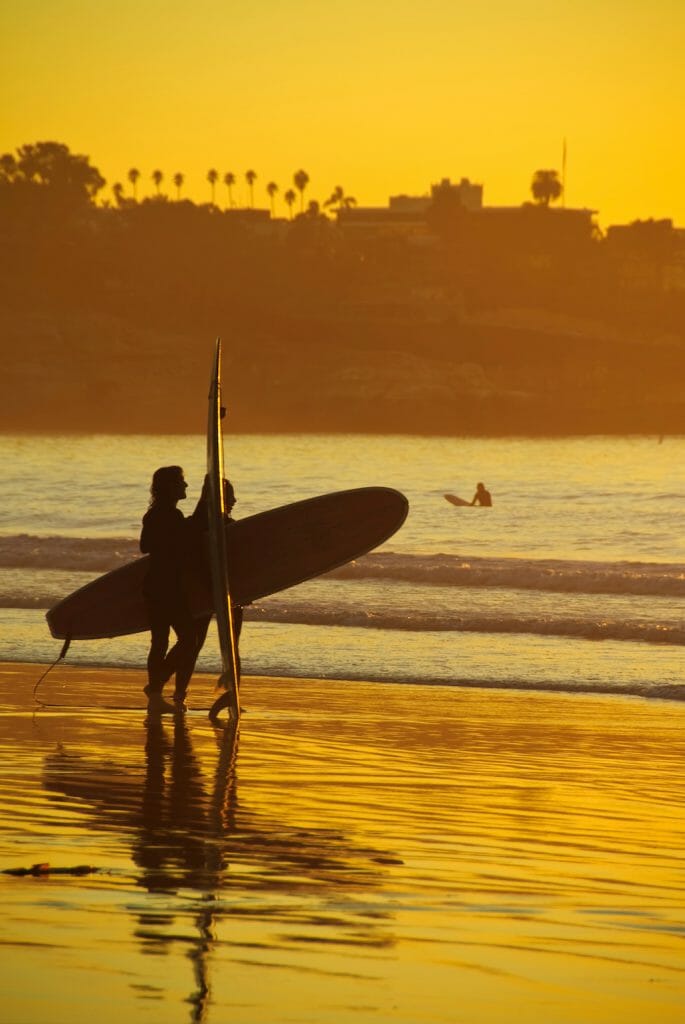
x,y
482,497
173,543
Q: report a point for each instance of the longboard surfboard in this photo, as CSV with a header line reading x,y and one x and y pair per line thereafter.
x,y
218,548
454,500
266,553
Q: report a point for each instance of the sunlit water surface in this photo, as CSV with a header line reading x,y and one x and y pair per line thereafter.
x,y
573,580
359,852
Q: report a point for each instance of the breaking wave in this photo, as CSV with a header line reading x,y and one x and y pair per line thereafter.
x,y
98,555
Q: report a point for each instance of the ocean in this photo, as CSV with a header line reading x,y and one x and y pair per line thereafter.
x,y
572,581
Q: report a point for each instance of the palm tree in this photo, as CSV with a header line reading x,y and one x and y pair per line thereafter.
x,y
157,178
212,178
229,182
546,187
290,197
339,200
118,190
272,189
178,181
301,180
250,179
133,176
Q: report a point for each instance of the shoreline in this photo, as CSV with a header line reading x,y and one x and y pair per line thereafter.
x,y
403,848
672,694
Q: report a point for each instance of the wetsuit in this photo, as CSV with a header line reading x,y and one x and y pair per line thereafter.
x,y
173,544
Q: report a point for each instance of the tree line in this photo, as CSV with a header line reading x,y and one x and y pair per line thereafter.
x,y
171,260
52,165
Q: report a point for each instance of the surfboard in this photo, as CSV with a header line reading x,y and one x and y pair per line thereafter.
x,y
266,553
454,500
218,548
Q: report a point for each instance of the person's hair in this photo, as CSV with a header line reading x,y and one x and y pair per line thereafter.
x,y
163,480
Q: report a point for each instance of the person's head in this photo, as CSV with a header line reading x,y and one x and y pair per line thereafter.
x,y
229,496
168,485
480,487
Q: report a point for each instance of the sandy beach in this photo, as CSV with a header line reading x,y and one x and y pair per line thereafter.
x,y
358,852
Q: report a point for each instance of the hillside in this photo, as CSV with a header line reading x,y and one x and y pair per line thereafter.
x,y
506,371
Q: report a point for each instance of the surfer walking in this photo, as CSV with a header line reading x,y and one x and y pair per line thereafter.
x,y
482,496
202,624
173,542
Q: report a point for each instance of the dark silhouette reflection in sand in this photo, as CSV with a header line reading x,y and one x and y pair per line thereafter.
x,y
179,841
203,857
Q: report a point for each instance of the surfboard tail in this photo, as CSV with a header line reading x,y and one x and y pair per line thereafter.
x,y
225,702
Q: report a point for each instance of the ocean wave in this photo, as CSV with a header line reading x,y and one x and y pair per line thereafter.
x,y
73,554
552,575
578,627
98,555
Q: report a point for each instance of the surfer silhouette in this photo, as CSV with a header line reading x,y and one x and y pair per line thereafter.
x,y
173,542
482,496
202,624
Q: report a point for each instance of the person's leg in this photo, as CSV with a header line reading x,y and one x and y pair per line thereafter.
x,y
170,662
159,642
186,650
201,627
237,616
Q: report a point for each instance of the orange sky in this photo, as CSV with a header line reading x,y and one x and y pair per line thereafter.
x,y
378,97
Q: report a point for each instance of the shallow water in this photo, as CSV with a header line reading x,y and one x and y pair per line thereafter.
x,y
360,852
573,580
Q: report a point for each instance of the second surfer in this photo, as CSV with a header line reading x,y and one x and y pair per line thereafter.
x,y
174,543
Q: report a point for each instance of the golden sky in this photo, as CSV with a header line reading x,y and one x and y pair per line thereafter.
x,y
380,97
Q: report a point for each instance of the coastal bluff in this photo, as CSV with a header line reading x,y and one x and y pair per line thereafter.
x,y
499,372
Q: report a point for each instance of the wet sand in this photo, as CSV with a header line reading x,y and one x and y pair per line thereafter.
x,y
359,852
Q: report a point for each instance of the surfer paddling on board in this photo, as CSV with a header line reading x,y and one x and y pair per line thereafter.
x,y
482,497
173,544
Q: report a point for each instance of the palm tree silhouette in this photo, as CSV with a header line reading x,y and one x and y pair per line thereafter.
x,y
546,187
272,189
229,182
339,200
301,180
290,197
133,176
157,178
212,178
250,179
178,181
118,190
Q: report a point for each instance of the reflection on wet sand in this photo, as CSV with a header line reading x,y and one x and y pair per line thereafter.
x,y
185,831
179,840
367,852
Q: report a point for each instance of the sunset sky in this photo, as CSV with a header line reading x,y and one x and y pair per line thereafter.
x,y
378,97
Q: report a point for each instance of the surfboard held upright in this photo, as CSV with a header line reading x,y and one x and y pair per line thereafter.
x,y
218,548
